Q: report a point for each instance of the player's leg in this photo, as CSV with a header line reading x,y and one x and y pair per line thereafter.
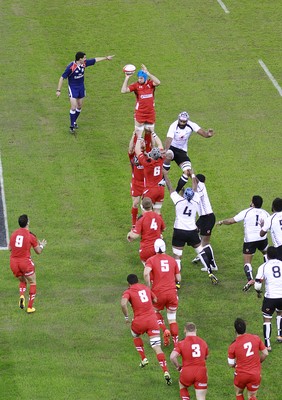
x,y
185,166
73,106
31,278
178,243
134,210
248,267
139,128
138,343
155,342
173,325
78,110
201,394
205,255
183,391
148,131
177,254
22,290
279,325
162,326
157,207
239,393
267,325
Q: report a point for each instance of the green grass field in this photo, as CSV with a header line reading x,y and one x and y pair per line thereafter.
x,y
76,191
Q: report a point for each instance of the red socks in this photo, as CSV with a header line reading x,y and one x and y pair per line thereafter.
x,y
32,294
134,214
161,321
162,361
139,345
184,394
174,332
22,287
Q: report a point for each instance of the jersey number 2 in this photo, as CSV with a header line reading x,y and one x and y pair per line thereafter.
x,y
248,346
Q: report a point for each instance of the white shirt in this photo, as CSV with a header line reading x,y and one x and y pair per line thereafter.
x,y
252,217
271,273
274,224
180,136
186,211
205,204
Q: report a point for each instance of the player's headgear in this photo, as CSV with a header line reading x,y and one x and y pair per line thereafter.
x,y
142,74
188,194
155,153
183,116
159,246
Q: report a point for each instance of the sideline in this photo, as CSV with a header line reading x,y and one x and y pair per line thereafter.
x,y
271,77
4,233
223,6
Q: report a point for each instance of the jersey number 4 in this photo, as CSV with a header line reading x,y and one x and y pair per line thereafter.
x,y
154,224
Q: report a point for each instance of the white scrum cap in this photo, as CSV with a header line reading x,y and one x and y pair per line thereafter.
x,y
159,245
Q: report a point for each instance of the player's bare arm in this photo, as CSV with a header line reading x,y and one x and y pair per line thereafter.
x,y
168,143
124,309
173,358
138,148
147,280
228,221
106,58
167,181
157,141
263,355
131,146
207,134
39,248
60,84
124,88
155,80
132,236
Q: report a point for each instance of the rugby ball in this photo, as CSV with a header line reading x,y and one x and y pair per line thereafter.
x,y
129,69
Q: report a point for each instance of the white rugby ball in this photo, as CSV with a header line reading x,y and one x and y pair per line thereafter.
x,y
129,69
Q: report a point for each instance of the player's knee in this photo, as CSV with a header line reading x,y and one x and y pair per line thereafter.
x,y
171,316
177,252
198,249
186,166
155,341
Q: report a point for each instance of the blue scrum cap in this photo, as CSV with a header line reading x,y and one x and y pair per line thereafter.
x,y
142,74
188,194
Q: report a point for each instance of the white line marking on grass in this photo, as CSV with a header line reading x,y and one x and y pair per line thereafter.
x,y
4,221
223,6
271,77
